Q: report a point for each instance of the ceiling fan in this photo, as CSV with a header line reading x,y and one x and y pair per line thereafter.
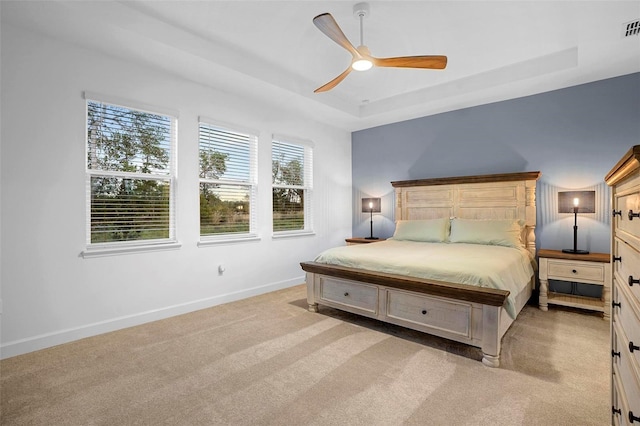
x,y
362,59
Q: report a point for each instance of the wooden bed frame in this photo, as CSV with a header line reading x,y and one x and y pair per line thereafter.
x,y
467,314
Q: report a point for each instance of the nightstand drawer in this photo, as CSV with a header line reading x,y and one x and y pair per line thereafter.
x,y
576,270
349,294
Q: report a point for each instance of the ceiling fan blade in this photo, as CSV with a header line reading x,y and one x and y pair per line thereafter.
x,y
433,62
333,83
330,28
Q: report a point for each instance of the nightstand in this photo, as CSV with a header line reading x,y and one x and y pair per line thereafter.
x,y
592,268
361,240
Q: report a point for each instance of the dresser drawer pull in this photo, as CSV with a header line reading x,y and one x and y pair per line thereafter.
x,y
633,418
614,304
424,312
632,281
617,259
615,410
632,214
617,212
574,271
633,347
615,354
346,294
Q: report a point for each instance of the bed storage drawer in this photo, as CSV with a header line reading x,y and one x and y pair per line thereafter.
x,y
358,297
430,312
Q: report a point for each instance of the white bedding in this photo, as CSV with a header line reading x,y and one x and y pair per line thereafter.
x,y
498,267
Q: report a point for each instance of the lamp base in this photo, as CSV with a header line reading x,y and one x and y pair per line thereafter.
x,y
371,238
572,251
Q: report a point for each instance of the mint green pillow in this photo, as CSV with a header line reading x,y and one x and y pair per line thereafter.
x,y
491,232
429,230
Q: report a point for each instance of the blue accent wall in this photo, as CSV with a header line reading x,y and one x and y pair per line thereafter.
x,y
574,136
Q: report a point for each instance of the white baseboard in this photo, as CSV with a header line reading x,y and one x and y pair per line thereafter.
x,y
31,344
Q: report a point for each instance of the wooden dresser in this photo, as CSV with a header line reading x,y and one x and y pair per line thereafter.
x,y
624,180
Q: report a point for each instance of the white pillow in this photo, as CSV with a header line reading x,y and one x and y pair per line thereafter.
x,y
491,232
431,230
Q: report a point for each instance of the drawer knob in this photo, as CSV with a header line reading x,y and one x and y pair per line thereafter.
x,y
615,354
617,259
424,312
574,271
633,347
632,281
617,212
632,214
615,410
633,418
346,294
614,304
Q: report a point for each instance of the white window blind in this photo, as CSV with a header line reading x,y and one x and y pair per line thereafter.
x,y
130,175
228,172
292,184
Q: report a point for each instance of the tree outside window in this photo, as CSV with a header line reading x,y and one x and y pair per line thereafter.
x,y
228,169
291,186
129,174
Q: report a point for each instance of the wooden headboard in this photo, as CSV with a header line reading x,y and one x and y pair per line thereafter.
x,y
498,196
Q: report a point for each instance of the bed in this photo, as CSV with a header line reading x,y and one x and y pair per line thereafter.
x,y
454,292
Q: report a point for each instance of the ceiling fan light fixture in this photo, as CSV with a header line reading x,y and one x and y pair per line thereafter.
x,y
361,64
361,57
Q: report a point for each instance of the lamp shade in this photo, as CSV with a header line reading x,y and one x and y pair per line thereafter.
x,y
586,201
371,205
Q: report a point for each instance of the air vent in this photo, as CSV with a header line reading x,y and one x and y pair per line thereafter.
x,y
631,28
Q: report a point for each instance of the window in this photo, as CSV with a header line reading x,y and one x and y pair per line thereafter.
x,y
130,175
292,185
228,170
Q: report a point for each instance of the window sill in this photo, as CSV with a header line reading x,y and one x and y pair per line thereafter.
x,y
292,234
131,249
227,239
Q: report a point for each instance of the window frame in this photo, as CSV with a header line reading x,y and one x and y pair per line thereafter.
x,y
307,185
131,246
252,183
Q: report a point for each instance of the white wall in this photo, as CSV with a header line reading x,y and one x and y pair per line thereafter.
x,y
50,293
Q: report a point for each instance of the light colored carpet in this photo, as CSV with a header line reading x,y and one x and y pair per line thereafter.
x,y
268,361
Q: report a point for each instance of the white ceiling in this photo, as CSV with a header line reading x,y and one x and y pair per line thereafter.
x,y
270,50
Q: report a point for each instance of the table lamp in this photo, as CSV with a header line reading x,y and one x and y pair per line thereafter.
x,y
371,205
576,202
